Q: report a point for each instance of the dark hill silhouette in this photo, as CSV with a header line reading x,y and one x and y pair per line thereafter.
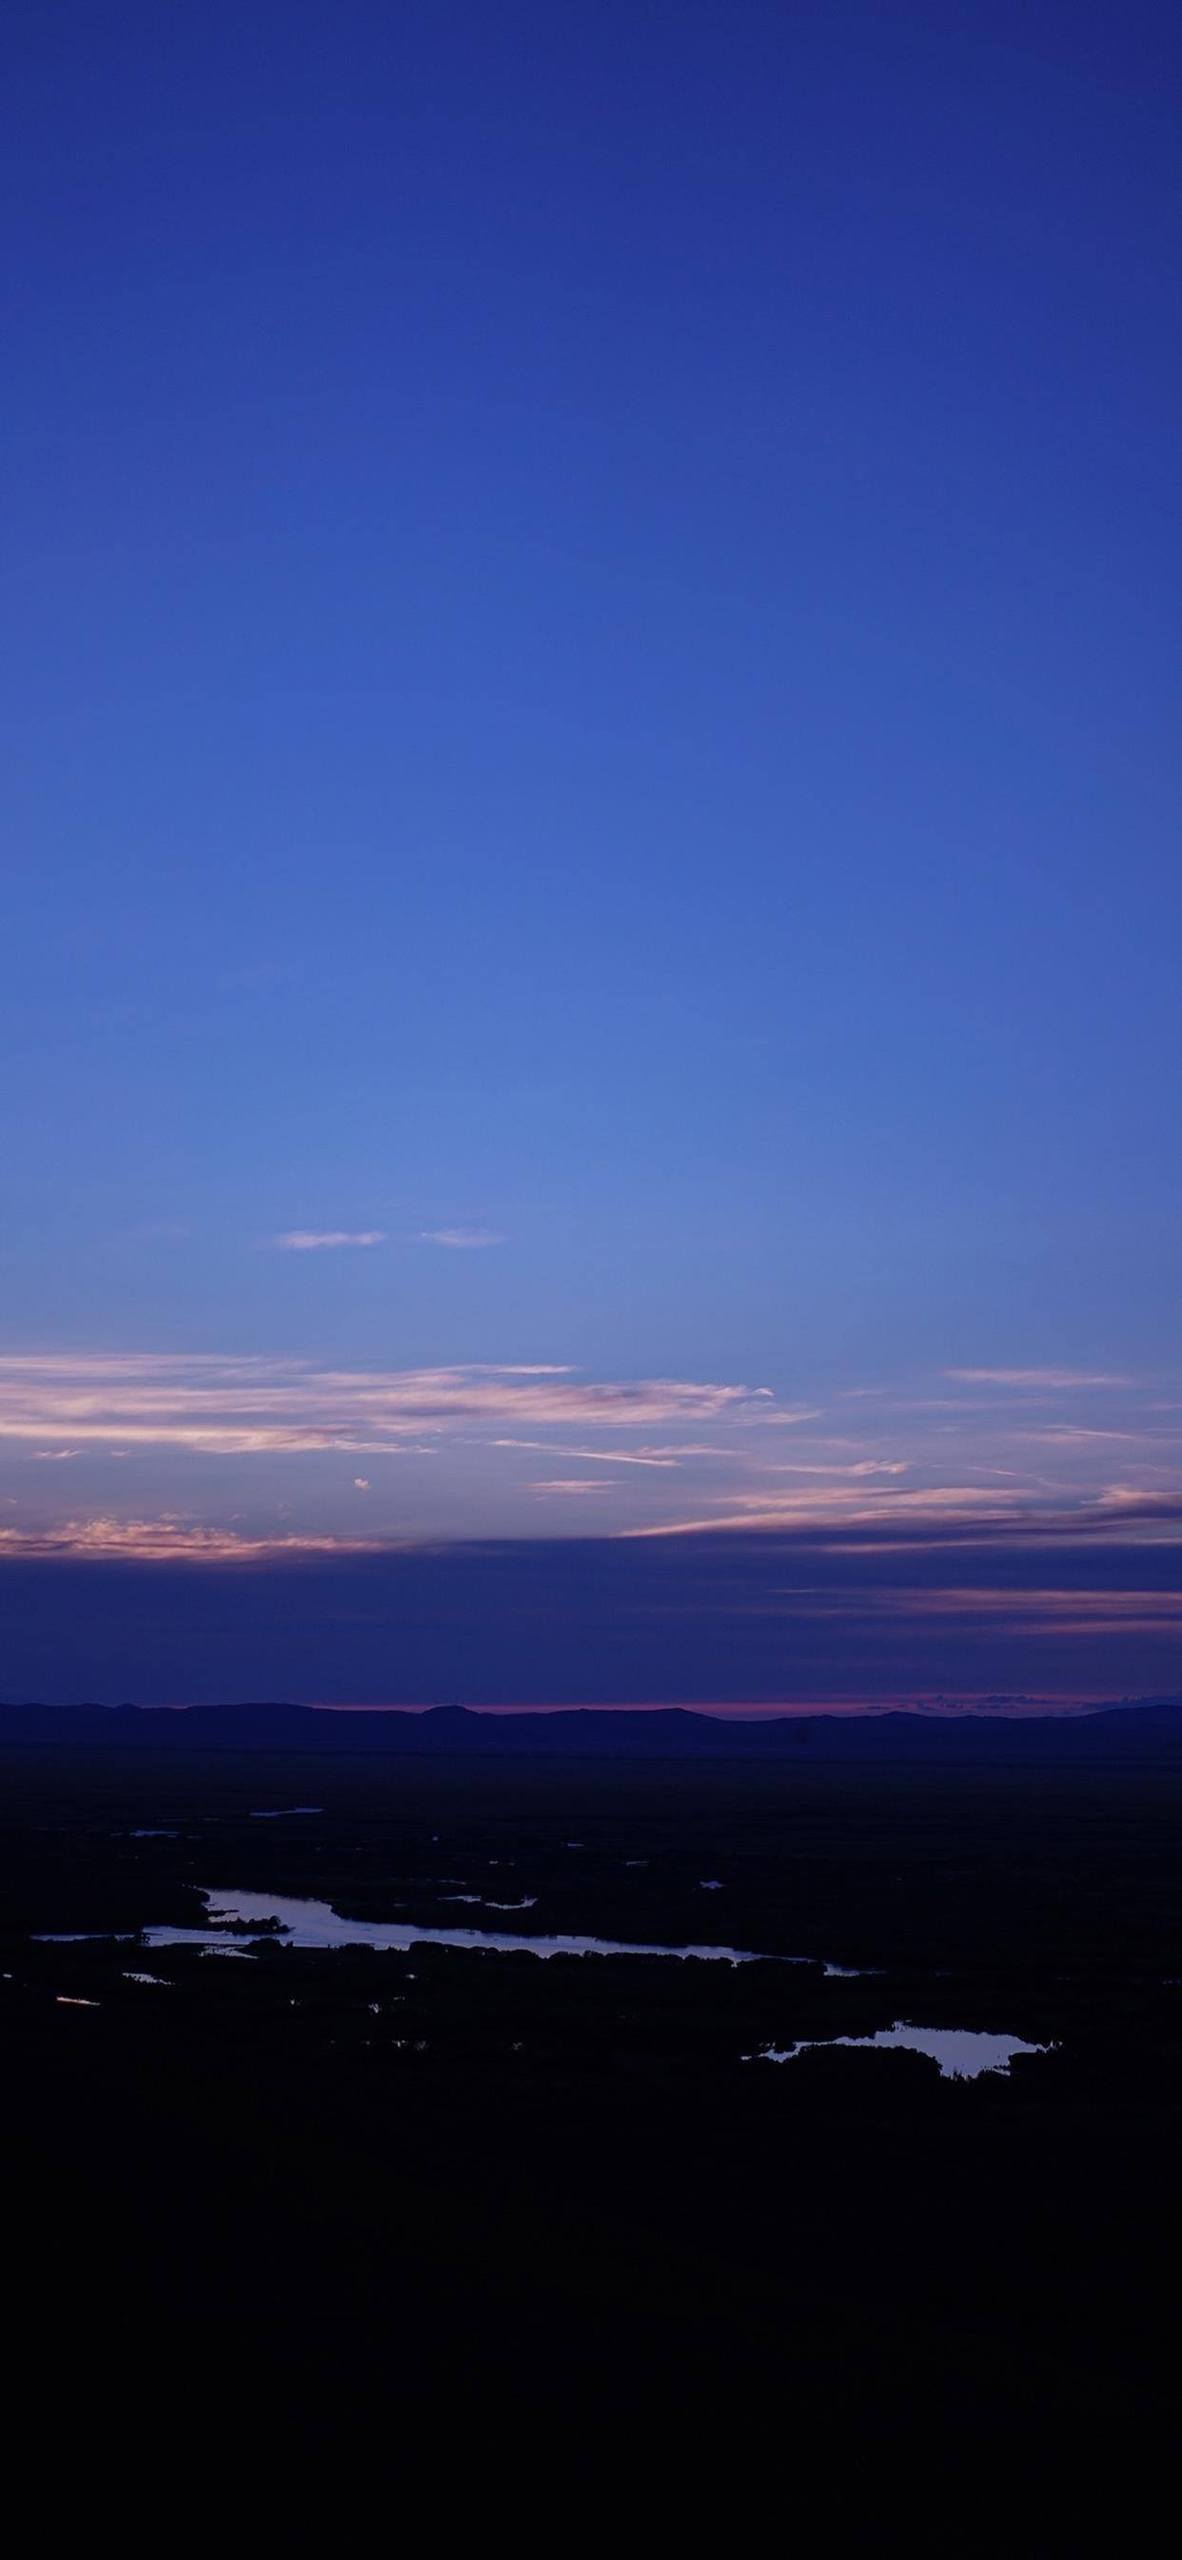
x,y
1131,1730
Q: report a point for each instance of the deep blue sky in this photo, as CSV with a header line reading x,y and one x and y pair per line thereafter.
x,y
591,661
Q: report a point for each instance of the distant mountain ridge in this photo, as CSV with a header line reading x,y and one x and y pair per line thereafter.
x,y
1136,1729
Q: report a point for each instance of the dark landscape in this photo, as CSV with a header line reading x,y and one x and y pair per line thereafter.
x,y
317,2179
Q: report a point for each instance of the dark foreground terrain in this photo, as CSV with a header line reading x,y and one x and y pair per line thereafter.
x,y
502,2205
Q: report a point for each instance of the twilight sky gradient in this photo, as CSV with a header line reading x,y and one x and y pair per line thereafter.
x,y
591,939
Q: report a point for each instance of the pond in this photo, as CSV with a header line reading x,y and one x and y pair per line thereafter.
x,y
961,2052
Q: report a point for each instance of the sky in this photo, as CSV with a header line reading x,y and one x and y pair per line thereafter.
x,y
590,956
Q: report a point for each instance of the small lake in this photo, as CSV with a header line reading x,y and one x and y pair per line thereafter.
x,y
962,2054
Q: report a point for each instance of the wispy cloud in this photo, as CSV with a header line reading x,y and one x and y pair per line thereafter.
x,y
460,1239
651,1455
326,1240
821,1467
1049,1612
169,1539
239,1407
861,1504
604,1457
877,1518
1074,1435
785,1413
1023,1609
1037,1378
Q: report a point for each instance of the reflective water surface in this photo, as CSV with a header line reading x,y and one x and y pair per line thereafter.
x,y
282,1812
961,2053
316,1924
